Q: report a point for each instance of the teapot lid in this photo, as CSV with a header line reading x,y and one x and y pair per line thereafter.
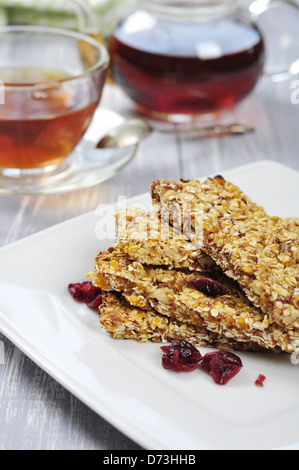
x,y
198,7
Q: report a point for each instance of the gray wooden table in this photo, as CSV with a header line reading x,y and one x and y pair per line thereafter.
x,y
35,411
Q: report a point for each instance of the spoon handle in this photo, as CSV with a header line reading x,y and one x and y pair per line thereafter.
x,y
216,131
224,130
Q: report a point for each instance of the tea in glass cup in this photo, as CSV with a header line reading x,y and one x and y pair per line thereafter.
x,y
52,82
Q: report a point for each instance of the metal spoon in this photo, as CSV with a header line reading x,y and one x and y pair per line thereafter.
x,y
124,135
133,131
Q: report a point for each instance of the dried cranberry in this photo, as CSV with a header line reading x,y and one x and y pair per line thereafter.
x,y
181,356
260,380
221,365
86,292
208,286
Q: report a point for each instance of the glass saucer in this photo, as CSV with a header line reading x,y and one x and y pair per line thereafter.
x,y
85,167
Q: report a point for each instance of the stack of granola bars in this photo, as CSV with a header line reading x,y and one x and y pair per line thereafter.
x,y
206,265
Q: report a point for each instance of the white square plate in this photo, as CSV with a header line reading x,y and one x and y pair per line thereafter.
x,y
124,381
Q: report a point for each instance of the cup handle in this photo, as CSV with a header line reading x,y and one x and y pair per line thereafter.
x,y
256,9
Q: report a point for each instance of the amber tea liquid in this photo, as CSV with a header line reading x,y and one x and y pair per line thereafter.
x,y
179,68
40,127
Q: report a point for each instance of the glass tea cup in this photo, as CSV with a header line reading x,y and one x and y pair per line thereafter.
x,y
51,84
181,61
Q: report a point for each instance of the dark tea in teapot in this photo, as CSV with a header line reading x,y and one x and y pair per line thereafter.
x,y
175,66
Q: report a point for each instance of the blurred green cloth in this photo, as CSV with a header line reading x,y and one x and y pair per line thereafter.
x,y
60,13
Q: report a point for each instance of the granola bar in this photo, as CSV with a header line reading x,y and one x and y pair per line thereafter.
x,y
172,293
260,252
146,238
123,321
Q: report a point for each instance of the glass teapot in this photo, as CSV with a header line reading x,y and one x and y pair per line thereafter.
x,y
183,60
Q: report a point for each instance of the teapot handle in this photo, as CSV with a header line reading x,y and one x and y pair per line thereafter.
x,y
256,9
